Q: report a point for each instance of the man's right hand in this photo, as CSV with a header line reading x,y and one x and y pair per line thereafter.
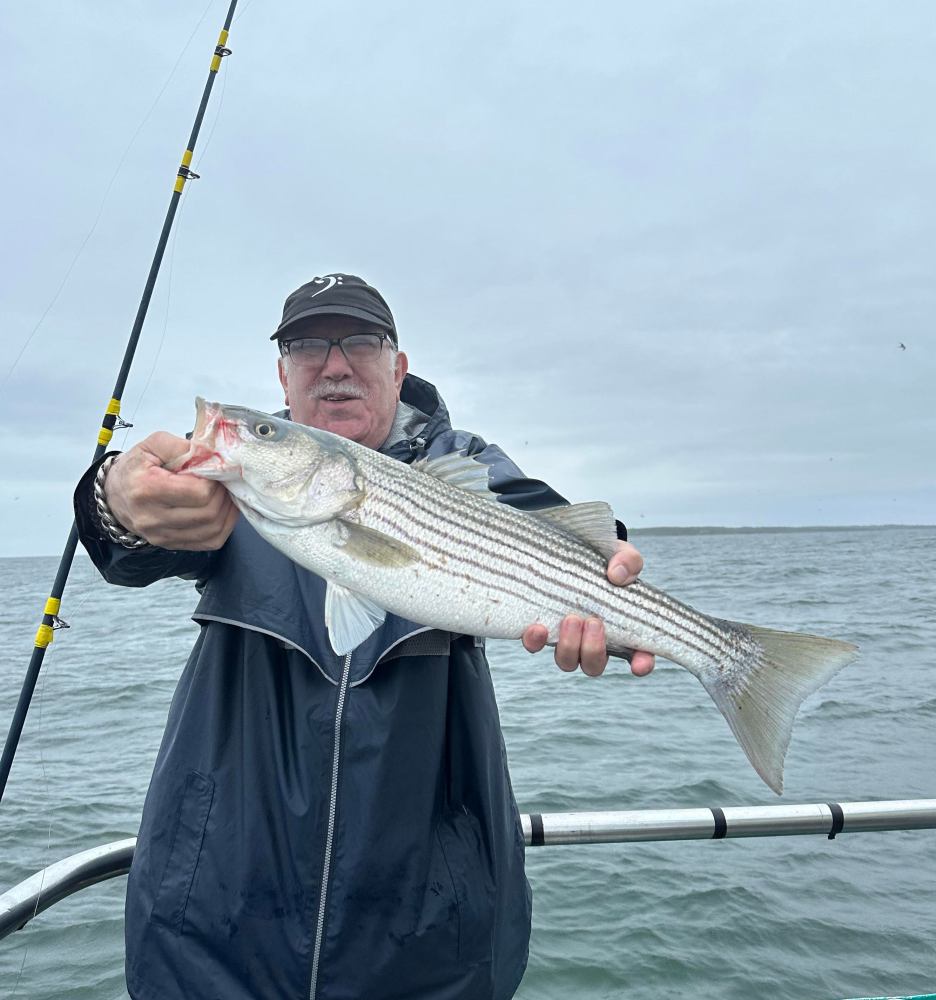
x,y
169,510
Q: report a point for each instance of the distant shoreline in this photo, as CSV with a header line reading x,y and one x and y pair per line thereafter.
x,y
698,530
767,530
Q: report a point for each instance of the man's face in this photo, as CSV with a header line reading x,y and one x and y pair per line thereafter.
x,y
357,401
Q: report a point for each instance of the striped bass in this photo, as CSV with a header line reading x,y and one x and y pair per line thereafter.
x,y
428,542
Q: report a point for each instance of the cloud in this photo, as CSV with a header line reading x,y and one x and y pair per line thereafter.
x,y
663,256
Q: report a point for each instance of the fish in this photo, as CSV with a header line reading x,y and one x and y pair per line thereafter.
x,y
431,543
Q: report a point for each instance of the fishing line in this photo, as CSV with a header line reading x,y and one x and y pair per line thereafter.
x,y
111,418
50,618
21,971
175,237
104,198
217,117
46,797
162,336
242,11
93,586
48,848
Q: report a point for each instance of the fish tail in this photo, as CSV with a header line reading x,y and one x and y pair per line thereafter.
x,y
760,689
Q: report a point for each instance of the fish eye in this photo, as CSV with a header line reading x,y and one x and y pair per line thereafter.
x,y
264,430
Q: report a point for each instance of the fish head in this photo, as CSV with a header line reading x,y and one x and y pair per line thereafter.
x,y
276,469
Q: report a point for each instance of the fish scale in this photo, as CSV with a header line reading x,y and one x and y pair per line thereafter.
x,y
654,618
432,544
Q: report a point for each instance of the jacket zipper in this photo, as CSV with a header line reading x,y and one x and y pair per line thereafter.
x,y
330,836
333,795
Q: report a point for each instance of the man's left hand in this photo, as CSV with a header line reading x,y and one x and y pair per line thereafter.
x,y
582,640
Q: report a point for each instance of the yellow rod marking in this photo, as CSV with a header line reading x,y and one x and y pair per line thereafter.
x,y
113,406
105,435
181,178
44,636
215,64
222,38
52,606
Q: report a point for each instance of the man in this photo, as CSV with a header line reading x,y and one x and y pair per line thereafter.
x,y
316,825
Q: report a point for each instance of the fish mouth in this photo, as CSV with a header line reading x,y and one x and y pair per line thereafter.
x,y
201,461
212,436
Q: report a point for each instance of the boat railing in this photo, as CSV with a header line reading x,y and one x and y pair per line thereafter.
x,y
714,823
29,898
53,884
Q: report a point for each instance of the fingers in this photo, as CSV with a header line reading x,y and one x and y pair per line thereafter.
x,y
168,510
623,569
534,638
625,565
163,447
570,642
642,663
581,644
593,657
202,528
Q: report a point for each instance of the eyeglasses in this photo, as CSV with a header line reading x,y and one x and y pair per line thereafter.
x,y
312,352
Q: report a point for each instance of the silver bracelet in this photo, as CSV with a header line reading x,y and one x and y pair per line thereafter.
x,y
114,530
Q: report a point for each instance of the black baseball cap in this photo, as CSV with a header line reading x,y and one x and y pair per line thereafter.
x,y
336,294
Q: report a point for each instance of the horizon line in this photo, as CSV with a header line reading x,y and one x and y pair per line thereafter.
x,y
669,529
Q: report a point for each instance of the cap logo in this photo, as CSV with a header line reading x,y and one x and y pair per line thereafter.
x,y
329,281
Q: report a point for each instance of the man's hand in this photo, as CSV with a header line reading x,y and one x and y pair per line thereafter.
x,y
168,510
582,641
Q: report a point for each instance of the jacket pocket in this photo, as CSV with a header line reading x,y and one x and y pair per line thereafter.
x,y
467,861
172,896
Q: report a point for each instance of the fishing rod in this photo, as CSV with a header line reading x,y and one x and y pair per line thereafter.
x,y
51,621
45,888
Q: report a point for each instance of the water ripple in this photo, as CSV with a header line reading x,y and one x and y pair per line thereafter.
x,y
784,918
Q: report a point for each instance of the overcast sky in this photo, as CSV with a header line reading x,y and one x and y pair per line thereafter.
x,y
663,254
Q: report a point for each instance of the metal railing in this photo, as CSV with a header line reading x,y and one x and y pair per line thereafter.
x,y
51,885
21,903
828,818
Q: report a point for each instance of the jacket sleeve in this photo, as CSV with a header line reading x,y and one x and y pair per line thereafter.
x,y
130,567
512,486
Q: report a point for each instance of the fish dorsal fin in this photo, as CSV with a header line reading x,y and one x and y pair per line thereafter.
x,y
458,469
349,617
592,523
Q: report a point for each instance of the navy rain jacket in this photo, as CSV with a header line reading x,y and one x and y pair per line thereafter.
x,y
316,825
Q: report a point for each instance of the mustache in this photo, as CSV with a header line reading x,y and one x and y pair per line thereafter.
x,y
327,387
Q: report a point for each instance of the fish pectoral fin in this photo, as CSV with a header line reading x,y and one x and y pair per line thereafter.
x,y
592,523
459,470
349,617
372,546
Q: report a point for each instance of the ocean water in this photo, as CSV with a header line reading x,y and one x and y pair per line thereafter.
x,y
794,917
